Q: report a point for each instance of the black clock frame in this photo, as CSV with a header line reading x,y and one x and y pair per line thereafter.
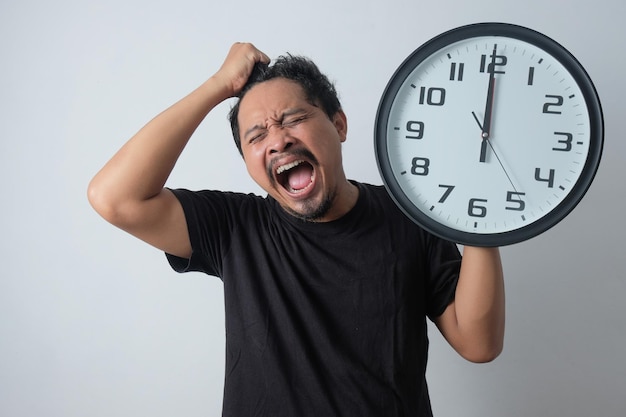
x,y
542,224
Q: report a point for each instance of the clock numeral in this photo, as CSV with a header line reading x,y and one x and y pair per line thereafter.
x,y
446,193
514,197
456,73
494,61
557,101
433,96
475,210
419,166
567,142
415,127
549,180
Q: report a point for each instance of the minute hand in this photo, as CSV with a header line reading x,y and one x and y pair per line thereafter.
x,y
486,126
489,107
487,120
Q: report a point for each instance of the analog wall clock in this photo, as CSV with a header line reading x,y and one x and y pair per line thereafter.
x,y
489,134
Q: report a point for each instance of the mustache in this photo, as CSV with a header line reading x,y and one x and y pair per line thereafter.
x,y
300,152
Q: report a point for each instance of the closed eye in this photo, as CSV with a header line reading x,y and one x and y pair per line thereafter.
x,y
258,137
289,119
294,121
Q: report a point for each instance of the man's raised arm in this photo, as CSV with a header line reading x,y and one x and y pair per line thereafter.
x,y
129,190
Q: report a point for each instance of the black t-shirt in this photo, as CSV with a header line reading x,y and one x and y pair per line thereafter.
x,y
322,319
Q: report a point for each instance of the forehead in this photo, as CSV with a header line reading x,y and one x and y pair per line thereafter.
x,y
271,98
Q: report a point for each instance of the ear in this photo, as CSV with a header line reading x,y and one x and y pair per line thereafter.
x,y
341,124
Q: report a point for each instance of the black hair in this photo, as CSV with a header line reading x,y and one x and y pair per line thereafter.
x,y
318,89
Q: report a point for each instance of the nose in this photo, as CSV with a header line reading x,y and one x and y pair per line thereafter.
x,y
279,139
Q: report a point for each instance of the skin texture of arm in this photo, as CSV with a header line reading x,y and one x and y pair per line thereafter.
x,y
473,323
129,190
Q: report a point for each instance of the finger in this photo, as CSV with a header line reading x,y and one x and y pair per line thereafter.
x,y
259,56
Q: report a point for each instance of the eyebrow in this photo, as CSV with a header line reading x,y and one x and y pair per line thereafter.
x,y
285,114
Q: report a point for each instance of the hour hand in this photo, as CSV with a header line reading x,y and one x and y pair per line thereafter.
x,y
477,121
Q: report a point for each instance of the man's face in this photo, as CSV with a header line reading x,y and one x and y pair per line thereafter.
x,y
293,150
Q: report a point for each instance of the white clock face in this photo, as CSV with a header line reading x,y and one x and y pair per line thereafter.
x,y
484,165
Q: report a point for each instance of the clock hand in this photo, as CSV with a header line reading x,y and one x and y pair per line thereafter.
x,y
477,121
483,151
485,136
489,106
502,165
486,125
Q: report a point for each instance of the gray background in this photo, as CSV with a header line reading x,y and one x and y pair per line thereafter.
x,y
93,322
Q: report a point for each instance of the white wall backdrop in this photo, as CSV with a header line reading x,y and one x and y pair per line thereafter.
x,y
94,323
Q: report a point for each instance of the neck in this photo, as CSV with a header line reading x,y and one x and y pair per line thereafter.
x,y
345,199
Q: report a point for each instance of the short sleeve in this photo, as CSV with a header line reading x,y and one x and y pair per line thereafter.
x,y
209,217
445,265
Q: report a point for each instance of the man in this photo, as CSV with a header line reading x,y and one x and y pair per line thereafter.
x,y
327,285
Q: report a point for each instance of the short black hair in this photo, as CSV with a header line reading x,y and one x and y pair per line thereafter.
x,y
318,89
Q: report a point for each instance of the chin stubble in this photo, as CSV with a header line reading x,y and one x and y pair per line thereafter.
x,y
312,212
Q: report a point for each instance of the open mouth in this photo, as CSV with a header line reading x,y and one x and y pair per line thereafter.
x,y
296,176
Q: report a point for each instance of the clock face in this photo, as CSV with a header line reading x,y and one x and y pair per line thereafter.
x,y
489,134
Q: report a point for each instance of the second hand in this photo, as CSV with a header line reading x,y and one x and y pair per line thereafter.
x,y
502,165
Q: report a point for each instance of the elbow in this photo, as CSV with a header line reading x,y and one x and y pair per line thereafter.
x,y
104,204
484,357
97,200
485,353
